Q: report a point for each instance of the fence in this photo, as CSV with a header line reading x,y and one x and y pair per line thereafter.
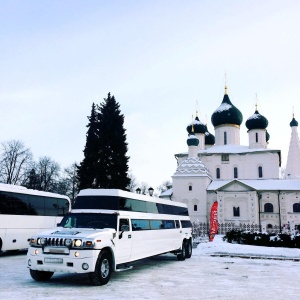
x,y
202,228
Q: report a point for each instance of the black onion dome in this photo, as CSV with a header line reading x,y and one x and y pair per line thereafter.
x,y
226,113
267,136
257,121
199,127
192,140
209,138
293,123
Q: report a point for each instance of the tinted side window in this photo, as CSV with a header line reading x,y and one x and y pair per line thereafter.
x,y
186,224
140,224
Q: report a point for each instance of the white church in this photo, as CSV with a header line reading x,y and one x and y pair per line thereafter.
x,y
244,180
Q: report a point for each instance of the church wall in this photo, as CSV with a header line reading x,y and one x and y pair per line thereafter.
x,y
247,165
192,191
261,138
232,133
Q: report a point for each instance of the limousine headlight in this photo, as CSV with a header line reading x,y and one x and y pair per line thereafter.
x,y
77,243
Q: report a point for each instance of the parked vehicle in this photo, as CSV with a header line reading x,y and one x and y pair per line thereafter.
x,y
106,230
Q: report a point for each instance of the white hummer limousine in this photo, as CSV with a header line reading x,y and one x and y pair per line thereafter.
x,y
106,230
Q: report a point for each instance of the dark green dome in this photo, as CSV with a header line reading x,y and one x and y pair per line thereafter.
x,y
192,140
257,121
293,123
226,113
267,136
209,138
199,127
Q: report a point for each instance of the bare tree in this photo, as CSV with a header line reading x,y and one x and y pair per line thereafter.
x,y
132,186
48,173
72,182
15,162
166,185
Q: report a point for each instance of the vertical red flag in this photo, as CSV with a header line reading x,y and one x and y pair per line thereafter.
x,y
213,221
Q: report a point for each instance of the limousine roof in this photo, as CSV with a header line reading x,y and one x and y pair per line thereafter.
x,y
121,193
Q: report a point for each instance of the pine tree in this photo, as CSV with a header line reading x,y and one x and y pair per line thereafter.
x,y
86,172
112,159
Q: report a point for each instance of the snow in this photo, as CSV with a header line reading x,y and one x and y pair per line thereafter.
x,y
254,116
223,107
260,184
163,277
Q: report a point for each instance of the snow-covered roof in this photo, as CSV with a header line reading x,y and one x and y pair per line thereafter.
x,y
166,193
192,166
259,184
234,149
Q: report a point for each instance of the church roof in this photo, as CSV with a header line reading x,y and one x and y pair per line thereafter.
x,y
259,184
192,167
192,140
257,121
294,122
226,113
199,127
209,138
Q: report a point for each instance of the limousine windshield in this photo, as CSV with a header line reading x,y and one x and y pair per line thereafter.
x,y
89,220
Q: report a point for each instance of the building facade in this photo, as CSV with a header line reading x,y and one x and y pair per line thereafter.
x,y
244,180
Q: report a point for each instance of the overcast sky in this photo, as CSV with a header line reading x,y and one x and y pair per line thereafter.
x,y
158,58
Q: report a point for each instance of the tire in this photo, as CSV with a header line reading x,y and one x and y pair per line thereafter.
x,y
41,275
189,249
103,269
182,254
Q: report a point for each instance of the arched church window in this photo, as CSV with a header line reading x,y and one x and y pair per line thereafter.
x,y
236,211
218,173
235,172
225,138
260,172
190,188
195,207
256,137
296,207
268,207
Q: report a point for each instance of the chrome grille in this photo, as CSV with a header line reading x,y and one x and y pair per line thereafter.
x,y
56,242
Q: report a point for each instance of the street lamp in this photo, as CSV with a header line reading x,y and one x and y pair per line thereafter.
x,y
138,190
150,190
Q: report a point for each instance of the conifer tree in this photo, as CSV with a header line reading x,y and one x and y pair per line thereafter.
x,y
86,172
112,159
105,163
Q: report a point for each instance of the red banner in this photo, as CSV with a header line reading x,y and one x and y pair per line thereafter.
x,y
213,230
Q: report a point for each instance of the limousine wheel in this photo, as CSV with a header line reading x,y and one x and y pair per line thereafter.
x,y
41,275
189,249
103,268
182,254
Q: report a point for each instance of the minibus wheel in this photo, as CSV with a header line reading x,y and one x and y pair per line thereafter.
x,y
103,269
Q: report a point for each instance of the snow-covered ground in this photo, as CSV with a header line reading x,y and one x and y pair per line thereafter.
x,y
163,277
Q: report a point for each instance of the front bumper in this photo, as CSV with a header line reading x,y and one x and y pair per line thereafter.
x,y
83,263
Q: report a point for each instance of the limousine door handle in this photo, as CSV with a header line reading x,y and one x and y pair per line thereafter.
x,y
180,231
129,236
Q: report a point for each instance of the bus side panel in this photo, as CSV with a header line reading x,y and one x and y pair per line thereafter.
x,y
16,230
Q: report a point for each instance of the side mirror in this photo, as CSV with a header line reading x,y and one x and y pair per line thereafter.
x,y
123,228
